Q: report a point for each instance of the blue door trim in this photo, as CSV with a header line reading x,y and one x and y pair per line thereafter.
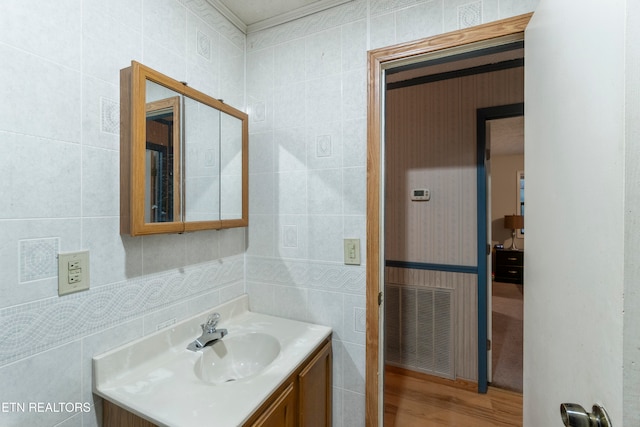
x,y
450,268
482,115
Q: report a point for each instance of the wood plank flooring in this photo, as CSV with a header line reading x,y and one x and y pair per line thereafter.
x,y
413,402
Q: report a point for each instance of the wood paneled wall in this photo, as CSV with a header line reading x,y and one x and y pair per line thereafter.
x,y
431,143
465,306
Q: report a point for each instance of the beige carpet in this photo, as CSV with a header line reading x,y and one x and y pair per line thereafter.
x,y
506,342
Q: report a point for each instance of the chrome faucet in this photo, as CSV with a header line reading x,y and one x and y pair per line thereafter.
x,y
209,333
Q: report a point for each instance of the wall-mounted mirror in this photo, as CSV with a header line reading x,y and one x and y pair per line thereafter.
x,y
183,157
162,202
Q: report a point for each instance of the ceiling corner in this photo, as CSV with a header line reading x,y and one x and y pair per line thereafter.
x,y
249,17
227,13
294,14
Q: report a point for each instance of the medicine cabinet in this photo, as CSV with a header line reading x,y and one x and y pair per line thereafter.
x,y
183,157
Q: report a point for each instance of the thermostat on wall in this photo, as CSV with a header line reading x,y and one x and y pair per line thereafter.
x,y
420,195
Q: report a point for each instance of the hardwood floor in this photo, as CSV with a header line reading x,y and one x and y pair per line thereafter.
x,y
413,402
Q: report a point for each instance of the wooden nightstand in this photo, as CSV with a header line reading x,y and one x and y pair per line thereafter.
x,y
509,266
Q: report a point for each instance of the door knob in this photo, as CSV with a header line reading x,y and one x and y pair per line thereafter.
x,y
574,415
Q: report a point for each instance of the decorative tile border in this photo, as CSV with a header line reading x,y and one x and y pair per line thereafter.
x,y
32,328
313,274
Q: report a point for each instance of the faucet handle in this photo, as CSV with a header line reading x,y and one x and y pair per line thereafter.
x,y
211,322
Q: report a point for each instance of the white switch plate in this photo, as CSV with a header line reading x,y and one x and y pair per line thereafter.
x,y
352,251
73,272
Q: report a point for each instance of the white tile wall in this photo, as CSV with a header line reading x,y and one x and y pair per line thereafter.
x,y
420,20
310,76
53,88
291,152
110,40
305,84
59,130
203,45
289,64
54,376
54,39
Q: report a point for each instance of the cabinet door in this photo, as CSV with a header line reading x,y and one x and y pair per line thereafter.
x,y
115,416
282,412
315,391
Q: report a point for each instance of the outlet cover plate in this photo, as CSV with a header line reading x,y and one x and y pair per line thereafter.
x,y
73,272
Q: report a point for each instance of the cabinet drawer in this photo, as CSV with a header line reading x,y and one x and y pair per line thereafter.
x,y
510,258
508,271
509,274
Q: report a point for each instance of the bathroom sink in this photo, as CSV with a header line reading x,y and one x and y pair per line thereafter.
x,y
236,357
229,378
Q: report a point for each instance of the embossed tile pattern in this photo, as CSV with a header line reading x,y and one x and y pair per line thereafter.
x,y
32,328
110,112
470,15
38,259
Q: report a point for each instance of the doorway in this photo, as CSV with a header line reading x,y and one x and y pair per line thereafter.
x,y
500,135
379,60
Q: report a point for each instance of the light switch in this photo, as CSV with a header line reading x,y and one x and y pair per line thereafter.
x,y
352,251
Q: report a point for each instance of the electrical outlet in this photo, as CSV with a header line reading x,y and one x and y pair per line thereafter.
x,y
73,272
352,251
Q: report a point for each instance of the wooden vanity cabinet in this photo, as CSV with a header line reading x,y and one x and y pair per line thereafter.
x,y
303,400
314,385
115,416
282,412
309,388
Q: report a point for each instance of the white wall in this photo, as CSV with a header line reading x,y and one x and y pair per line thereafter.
x,y
306,90
59,133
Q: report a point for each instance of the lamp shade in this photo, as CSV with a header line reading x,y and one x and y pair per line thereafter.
x,y
513,222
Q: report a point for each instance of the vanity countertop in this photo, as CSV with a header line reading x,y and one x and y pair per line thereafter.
x,y
155,378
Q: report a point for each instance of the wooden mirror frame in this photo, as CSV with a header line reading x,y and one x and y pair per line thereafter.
x,y
133,108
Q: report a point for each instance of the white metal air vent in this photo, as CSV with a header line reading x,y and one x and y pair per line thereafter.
x,y
419,329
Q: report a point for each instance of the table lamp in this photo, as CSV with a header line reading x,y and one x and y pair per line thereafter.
x,y
513,222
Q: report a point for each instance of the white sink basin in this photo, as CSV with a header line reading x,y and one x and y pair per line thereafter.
x,y
228,380
236,357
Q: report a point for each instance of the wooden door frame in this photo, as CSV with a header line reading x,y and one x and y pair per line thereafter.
x,y
378,60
